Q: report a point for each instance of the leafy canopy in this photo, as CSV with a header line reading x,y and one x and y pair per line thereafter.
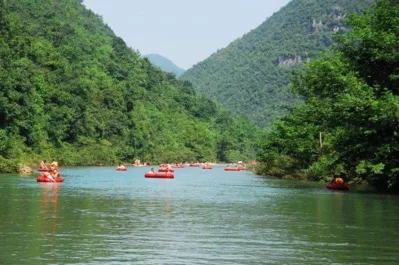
x,y
349,124
71,90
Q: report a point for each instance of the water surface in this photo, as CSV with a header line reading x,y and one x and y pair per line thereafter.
x,y
101,216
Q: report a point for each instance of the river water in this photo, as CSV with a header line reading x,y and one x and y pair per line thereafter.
x,y
101,216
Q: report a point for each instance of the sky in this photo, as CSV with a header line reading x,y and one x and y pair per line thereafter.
x,y
184,31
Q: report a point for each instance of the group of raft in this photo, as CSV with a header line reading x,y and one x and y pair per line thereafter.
x,y
166,170
165,173
51,173
238,167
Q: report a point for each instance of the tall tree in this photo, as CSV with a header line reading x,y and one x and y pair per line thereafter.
x,y
350,122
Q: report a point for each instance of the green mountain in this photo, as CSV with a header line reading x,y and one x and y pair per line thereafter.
x,y
251,75
165,64
73,91
348,124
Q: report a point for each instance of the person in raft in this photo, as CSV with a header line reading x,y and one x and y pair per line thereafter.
x,y
120,166
49,176
152,171
43,164
337,181
55,174
54,165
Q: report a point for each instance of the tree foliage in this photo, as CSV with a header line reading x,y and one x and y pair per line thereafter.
x,y
71,90
349,124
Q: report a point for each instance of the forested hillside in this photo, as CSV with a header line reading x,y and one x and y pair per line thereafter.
x,y
251,76
165,64
349,124
73,91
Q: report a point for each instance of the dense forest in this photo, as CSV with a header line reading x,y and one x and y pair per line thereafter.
x,y
350,121
165,64
251,76
73,91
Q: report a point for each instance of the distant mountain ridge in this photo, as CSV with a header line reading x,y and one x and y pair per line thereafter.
x,y
165,64
251,75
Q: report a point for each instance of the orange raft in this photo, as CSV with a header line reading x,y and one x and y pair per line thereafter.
x,y
167,175
43,178
165,170
232,169
334,186
44,169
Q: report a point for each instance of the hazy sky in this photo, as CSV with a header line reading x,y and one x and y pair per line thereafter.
x,y
184,31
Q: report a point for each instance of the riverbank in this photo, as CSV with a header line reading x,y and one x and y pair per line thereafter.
x,y
300,175
28,166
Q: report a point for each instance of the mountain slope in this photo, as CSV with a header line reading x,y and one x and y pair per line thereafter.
x,y
251,75
165,64
73,91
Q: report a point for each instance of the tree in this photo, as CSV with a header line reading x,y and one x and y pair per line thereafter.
x,y
351,110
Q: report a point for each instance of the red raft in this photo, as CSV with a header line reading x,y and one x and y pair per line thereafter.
x,y
121,169
206,167
166,175
232,169
195,165
165,170
45,179
333,186
43,169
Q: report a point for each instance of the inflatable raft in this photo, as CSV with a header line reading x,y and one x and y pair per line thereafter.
x,y
121,169
44,170
334,186
45,179
165,170
167,175
206,167
195,165
232,169
178,166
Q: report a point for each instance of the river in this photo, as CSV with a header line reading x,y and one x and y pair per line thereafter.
x,y
101,216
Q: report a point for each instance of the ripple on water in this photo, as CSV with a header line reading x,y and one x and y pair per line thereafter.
x,y
100,216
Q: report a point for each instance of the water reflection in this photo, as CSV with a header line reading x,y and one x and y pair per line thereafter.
x,y
159,204
168,207
200,217
49,214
